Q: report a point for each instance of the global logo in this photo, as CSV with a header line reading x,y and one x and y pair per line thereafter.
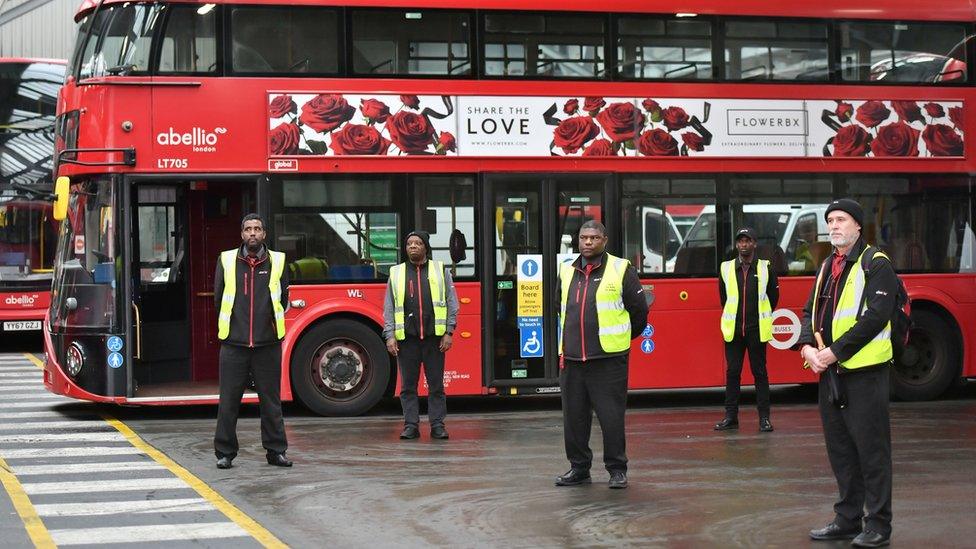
x,y
24,299
200,139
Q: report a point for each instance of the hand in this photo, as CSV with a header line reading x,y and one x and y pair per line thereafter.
x,y
826,356
446,341
392,347
811,356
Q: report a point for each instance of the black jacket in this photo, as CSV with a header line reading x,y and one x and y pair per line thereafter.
x,y
880,289
581,335
252,321
747,315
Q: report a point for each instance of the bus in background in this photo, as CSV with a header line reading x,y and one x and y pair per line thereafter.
x,y
28,232
498,131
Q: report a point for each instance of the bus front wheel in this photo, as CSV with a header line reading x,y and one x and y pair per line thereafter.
x,y
930,362
340,368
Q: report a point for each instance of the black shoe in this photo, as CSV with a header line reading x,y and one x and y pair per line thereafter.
x,y
727,424
573,477
618,480
278,460
869,538
833,531
765,425
409,432
224,463
439,432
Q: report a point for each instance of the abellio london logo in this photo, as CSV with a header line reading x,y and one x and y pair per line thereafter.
x,y
202,140
23,300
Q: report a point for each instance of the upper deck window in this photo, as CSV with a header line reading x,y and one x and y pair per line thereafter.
x,y
189,40
422,42
663,48
121,40
903,52
776,50
306,40
528,44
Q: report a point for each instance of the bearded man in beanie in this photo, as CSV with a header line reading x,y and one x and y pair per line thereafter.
x,y
845,337
420,315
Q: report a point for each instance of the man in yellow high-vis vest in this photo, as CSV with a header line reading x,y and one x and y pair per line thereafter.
x,y
749,291
603,307
251,295
419,318
850,308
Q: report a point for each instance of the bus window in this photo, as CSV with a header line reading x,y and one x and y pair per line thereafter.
x,y
126,44
411,42
189,44
157,234
307,40
559,46
902,52
775,50
87,59
445,208
652,48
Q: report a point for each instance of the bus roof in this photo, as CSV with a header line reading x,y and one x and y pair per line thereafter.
x,y
906,10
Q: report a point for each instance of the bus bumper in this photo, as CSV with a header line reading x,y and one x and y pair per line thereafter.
x,y
58,383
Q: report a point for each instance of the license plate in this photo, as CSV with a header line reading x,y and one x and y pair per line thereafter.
x,y
21,325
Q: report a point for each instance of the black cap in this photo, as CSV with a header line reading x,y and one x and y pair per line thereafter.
x,y
747,232
422,235
847,205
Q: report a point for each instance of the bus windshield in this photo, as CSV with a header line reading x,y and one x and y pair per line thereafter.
x,y
27,241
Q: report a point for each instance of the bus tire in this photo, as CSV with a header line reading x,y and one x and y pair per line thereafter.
x,y
930,362
340,368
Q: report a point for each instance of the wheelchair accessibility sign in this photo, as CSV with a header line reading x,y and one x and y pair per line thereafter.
x,y
530,343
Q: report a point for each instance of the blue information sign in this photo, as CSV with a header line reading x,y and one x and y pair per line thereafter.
x,y
530,267
114,344
648,331
115,360
647,346
530,342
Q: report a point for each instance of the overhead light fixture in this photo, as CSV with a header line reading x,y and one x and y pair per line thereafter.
x,y
686,14
205,9
413,15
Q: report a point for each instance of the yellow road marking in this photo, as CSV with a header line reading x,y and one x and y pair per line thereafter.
x,y
28,515
37,362
249,525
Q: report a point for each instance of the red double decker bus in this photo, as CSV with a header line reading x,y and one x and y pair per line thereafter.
x,y
28,232
499,127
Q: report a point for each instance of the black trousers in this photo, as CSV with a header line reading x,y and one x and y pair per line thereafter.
x,y
264,364
413,352
735,351
858,441
595,385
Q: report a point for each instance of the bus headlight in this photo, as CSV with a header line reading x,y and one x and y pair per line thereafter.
x,y
74,359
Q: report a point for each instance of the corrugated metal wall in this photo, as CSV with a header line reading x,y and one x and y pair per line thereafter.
x,y
37,28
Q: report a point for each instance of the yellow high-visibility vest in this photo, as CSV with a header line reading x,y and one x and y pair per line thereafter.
x,y
438,296
613,320
228,259
732,300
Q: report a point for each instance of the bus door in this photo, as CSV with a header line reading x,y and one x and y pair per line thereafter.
x,y
533,226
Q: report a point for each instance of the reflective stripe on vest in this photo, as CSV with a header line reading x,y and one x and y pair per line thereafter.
x,y
765,308
438,297
613,320
848,309
228,260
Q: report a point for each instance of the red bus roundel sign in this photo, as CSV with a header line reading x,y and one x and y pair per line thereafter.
x,y
786,329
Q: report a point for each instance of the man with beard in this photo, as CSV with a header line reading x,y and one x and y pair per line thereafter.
x,y
420,315
251,292
749,292
846,338
603,309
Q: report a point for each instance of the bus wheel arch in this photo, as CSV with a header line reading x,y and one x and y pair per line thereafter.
x,y
340,366
932,361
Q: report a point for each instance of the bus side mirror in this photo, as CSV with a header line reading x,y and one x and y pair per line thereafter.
x,y
61,189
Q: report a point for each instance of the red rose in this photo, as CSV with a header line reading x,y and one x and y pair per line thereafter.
x,y
650,105
872,113
852,140
693,141
593,104
941,140
571,134
621,121
907,111
284,139
446,142
411,101
657,142
281,106
326,112
411,132
571,106
896,139
359,139
844,111
376,111
955,115
675,118
934,110
600,147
